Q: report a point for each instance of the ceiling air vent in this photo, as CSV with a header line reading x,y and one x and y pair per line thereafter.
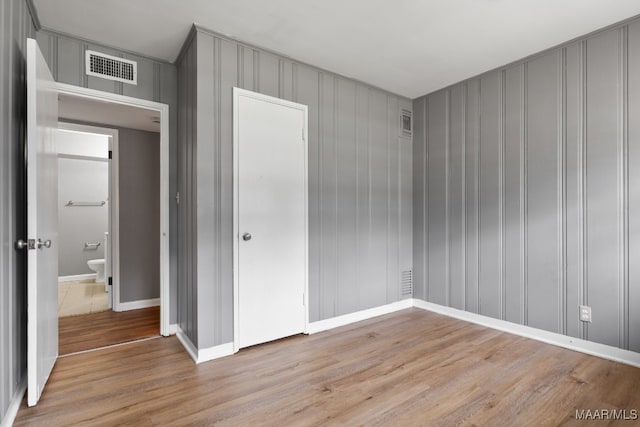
x,y
406,283
406,123
111,67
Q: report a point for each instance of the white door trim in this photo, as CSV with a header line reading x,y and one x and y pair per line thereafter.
x,y
163,111
237,92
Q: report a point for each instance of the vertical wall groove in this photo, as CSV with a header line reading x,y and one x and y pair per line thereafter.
x,y
426,201
623,88
502,124
463,224
447,190
562,191
585,203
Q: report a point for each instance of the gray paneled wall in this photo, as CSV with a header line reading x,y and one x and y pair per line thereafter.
x,y
525,193
15,26
187,221
360,186
157,81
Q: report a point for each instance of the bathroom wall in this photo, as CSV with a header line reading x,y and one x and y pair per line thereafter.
x,y
81,180
139,206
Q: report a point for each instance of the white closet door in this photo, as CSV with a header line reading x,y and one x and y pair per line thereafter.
x,y
271,218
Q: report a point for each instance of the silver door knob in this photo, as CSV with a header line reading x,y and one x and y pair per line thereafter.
x,y
246,237
40,244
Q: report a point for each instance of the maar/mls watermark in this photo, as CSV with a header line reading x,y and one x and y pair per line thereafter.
x,y
607,414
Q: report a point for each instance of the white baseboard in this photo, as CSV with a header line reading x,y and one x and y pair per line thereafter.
x,y
172,329
215,352
576,344
77,278
334,322
135,305
14,405
205,354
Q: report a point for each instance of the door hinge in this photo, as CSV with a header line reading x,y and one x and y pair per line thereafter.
x,y
110,154
178,198
110,281
302,134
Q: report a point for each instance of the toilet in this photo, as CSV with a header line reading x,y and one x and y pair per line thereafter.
x,y
97,265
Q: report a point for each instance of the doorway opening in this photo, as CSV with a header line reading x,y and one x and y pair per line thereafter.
x,y
113,274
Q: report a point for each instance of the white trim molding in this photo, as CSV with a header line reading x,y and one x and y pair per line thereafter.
x,y
14,405
206,354
594,349
165,199
77,277
346,319
135,305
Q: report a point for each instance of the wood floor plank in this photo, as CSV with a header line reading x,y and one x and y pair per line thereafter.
x,y
408,368
96,330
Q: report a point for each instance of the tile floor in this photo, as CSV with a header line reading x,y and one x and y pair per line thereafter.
x,y
82,297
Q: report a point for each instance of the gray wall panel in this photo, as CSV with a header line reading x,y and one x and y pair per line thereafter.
x,y
69,60
437,201
187,262
328,199
348,293
393,200
490,196
268,74
419,199
472,163
206,197
633,306
456,206
550,144
377,289
573,179
603,209
543,187
514,194
355,167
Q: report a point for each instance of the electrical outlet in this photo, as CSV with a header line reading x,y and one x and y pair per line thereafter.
x,y
585,313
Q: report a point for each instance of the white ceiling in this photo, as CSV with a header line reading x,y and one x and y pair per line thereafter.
x,y
114,115
409,47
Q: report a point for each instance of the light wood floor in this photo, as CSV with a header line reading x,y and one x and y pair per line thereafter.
x,y
407,368
96,330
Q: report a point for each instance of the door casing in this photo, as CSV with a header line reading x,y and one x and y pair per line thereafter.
x,y
166,328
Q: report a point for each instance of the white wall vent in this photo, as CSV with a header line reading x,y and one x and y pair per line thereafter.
x,y
406,123
406,283
111,67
